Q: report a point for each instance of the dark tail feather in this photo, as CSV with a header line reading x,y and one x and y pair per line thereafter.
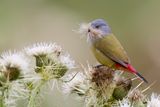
x,y
133,70
140,76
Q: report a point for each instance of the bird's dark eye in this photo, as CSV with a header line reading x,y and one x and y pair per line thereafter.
x,y
97,27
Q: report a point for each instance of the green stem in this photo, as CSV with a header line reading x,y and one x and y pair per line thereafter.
x,y
34,94
2,98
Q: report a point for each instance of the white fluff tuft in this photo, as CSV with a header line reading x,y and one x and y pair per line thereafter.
x,y
15,59
125,103
67,61
16,91
83,28
42,49
154,101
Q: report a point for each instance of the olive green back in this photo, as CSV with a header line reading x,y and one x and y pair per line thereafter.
x,y
109,51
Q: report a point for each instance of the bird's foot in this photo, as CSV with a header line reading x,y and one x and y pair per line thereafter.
x,y
98,66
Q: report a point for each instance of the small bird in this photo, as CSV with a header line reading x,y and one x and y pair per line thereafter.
x,y
107,49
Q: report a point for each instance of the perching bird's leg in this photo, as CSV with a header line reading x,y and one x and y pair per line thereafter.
x,y
98,66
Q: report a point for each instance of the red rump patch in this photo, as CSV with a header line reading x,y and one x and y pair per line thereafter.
x,y
131,68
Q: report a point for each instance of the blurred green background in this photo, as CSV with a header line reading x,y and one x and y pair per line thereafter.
x,y
136,23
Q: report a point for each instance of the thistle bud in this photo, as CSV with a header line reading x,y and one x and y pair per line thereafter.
x,y
122,88
12,73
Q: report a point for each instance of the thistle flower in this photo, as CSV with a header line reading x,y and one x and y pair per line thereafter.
x,y
50,60
43,49
51,64
14,65
102,76
154,101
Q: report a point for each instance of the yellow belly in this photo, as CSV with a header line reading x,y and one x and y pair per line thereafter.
x,y
102,58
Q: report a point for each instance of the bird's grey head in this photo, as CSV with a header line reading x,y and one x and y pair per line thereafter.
x,y
98,28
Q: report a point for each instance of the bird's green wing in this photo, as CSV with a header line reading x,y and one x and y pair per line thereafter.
x,y
111,47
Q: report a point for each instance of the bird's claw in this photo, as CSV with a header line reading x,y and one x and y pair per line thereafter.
x,y
98,66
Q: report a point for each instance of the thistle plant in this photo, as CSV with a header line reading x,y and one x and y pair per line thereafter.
x,y
14,66
104,87
50,65
24,74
